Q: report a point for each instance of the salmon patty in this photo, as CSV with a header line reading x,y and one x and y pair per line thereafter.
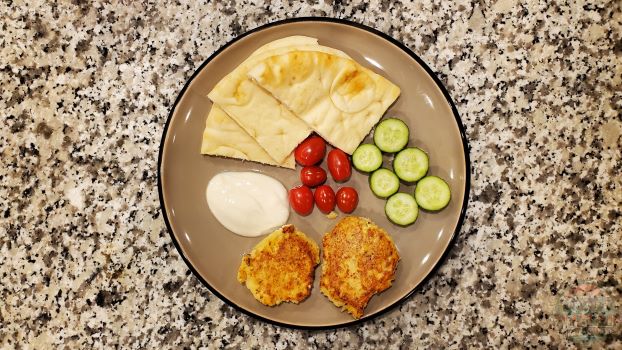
x,y
359,260
281,267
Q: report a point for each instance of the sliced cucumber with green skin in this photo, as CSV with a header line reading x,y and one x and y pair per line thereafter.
x,y
367,158
391,135
411,164
432,193
402,209
384,182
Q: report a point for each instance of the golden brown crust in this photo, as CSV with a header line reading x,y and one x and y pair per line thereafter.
x,y
359,260
281,267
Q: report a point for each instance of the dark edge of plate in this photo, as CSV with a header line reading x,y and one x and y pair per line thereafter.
x,y
456,117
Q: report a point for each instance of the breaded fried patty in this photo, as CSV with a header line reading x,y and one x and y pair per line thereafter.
x,y
359,260
280,267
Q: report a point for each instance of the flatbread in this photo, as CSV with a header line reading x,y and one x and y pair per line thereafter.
x,y
340,99
272,125
290,41
269,51
262,116
224,137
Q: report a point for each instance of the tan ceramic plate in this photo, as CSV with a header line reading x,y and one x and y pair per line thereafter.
x,y
214,254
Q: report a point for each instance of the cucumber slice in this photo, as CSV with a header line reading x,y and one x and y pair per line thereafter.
x,y
367,158
432,193
402,209
391,135
383,183
411,164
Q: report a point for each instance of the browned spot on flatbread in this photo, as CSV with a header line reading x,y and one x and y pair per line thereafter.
x,y
239,94
292,67
353,82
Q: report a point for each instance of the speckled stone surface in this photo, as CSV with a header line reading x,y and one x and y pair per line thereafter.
x,y
85,259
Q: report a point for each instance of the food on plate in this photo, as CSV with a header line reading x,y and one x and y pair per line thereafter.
x,y
312,176
301,200
325,198
391,135
294,43
272,125
432,193
311,151
290,41
339,165
337,97
275,128
281,267
367,158
384,183
264,118
359,260
224,137
247,203
347,199
401,209
283,91
411,164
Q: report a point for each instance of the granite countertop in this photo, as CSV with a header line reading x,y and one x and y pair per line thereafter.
x,y
85,259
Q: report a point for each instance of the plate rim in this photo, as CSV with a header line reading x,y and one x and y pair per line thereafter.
x,y
465,147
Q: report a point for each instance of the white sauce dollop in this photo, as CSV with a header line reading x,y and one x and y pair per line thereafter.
x,y
247,203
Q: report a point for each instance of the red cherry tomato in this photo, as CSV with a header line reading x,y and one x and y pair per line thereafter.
x,y
312,176
347,199
311,151
325,198
339,165
301,200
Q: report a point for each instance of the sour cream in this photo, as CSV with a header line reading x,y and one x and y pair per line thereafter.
x,y
247,203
